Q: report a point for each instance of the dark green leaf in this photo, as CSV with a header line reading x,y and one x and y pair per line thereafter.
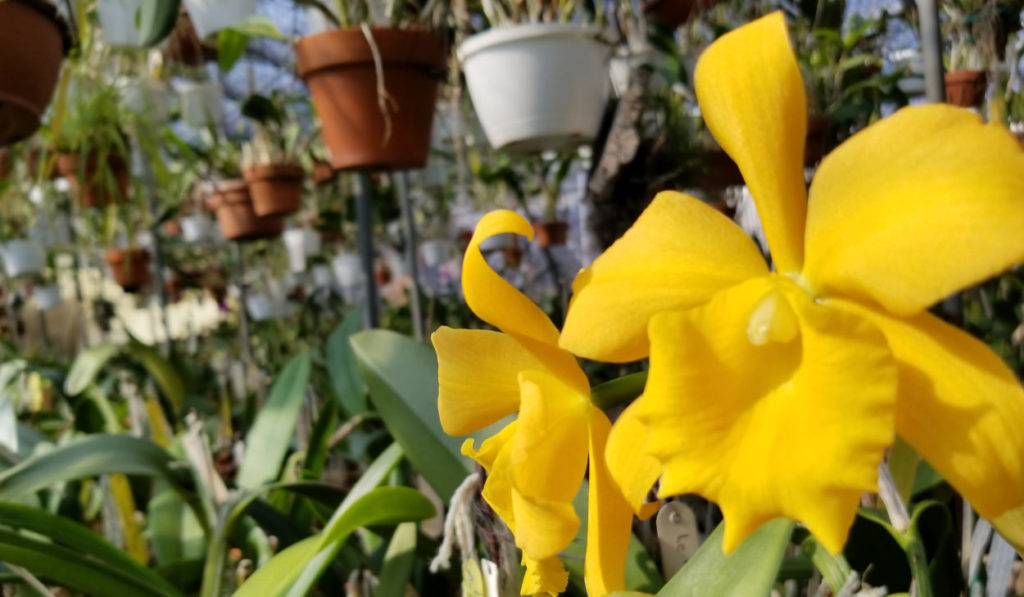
x,y
398,561
162,371
342,366
86,366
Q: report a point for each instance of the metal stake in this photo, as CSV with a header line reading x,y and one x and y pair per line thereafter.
x,y
931,50
365,241
158,260
401,182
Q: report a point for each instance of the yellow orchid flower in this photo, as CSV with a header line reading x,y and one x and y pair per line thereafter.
x,y
536,463
776,393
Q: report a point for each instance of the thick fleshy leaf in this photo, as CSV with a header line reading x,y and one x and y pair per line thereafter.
x,y
633,470
794,428
478,377
500,304
549,452
961,408
915,207
676,255
752,98
609,517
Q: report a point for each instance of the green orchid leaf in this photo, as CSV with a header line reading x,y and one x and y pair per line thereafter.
x,y
342,366
402,377
398,561
163,372
271,434
750,570
87,366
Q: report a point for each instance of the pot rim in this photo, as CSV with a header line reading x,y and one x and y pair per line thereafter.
x,y
499,36
50,11
327,56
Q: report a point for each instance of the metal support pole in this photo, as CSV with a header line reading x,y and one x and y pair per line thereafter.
x,y
76,276
931,50
401,182
365,241
158,260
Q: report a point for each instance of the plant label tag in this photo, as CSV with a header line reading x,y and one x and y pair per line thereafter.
x,y
677,536
493,581
472,579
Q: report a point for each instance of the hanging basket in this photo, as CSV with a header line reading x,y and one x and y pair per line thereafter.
x,y
966,88
539,86
136,23
276,189
91,185
338,67
235,214
210,16
129,268
33,42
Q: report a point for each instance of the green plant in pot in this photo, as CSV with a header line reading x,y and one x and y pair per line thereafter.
x,y
374,80
116,226
22,255
971,28
271,160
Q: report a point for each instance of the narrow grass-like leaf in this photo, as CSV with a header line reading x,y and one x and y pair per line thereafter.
x,y
163,372
87,366
342,367
398,561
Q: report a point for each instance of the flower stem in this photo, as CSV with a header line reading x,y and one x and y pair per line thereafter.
x,y
905,532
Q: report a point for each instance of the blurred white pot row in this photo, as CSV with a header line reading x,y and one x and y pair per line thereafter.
x,y
201,102
300,244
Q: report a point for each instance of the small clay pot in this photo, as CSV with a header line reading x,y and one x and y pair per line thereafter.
x,y
236,216
88,185
129,267
276,189
323,173
966,88
551,234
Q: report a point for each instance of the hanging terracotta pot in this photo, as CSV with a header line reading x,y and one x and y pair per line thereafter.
x,y
276,189
338,66
129,267
91,186
33,42
966,88
552,233
323,173
236,216
673,13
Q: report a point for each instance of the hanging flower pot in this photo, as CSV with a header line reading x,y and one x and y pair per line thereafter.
x,y
128,267
295,244
136,23
673,13
92,185
966,88
551,234
194,228
46,296
33,41
537,86
323,173
23,257
210,16
235,214
322,277
372,122
201,103
348,270
276,189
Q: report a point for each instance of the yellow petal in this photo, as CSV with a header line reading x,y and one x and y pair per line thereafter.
x,y
549,452
676,255
478,377
609,518
961,408
498,303
793,428
915,207
494,455
490,447
633,470
545,576
752,98
543,528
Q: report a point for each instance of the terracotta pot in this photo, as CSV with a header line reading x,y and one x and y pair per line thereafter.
x,y
33,41
172,228
323,173
129,267
966,88
550,234
673,13
382,275
89,186
338,67
235,214
276,189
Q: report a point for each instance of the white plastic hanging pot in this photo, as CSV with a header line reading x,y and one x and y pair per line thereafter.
x,y
295,243
201,103
313,243
537,86
433,252
146,97
260,306
210,16
136,23
322,277
347,270
23,257
47,296
194,228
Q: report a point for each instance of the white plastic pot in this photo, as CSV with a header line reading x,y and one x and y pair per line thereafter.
x,y
347,270
295,243
433,252
118,22
313,242
47,296
23,257
537,86
322,277
210,16
260,306
201,103
194,228
146,97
